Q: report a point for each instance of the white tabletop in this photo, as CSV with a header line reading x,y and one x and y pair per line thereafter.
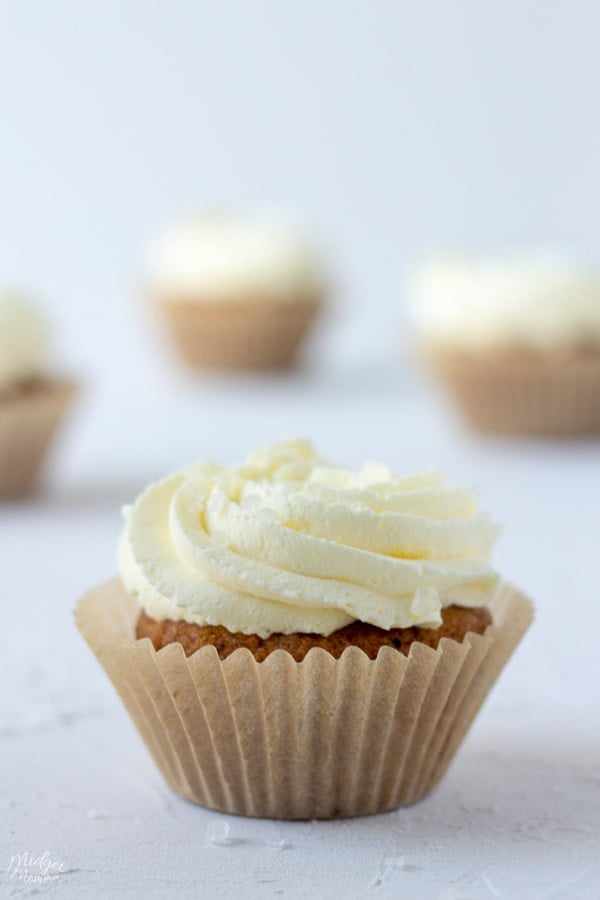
x,y
518,813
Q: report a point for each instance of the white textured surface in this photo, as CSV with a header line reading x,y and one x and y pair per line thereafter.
x,y
518,814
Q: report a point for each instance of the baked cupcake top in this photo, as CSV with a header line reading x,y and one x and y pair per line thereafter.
x,y
286,542
223,258
538,301
24,340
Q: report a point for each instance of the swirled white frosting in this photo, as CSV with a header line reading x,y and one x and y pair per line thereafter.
x,y
539,301
224,258
286,543
24,340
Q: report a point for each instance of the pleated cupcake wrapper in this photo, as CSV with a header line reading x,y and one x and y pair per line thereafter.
x,y
244,336
320,738
554,395
28,422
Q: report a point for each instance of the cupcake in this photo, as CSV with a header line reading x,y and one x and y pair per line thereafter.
x,y
294,640
516,341
32,402
236,293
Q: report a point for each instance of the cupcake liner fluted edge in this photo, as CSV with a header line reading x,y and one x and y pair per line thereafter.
x,y
28,423
321,738
262,335
549,394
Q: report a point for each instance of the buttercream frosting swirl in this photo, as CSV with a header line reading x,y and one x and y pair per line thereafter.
x,y
24,340
539,301
288,543
224,258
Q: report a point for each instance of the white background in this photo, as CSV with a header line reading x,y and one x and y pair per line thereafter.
x,y
389,129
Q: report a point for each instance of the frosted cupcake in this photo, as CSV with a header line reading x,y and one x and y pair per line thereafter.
x,y
32,402
236,293
294,640
517,341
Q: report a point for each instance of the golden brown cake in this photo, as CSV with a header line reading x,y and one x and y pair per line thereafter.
x,y
457,623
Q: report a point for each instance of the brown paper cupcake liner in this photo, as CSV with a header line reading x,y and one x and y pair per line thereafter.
x,y
253,335
550,393
321,738
29,418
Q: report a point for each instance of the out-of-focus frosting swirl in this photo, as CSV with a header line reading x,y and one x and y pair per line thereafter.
x,y
24,340
538,301
223,258
287,543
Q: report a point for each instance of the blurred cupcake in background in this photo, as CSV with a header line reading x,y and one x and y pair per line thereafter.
x,y
236,293
32,401
516,341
